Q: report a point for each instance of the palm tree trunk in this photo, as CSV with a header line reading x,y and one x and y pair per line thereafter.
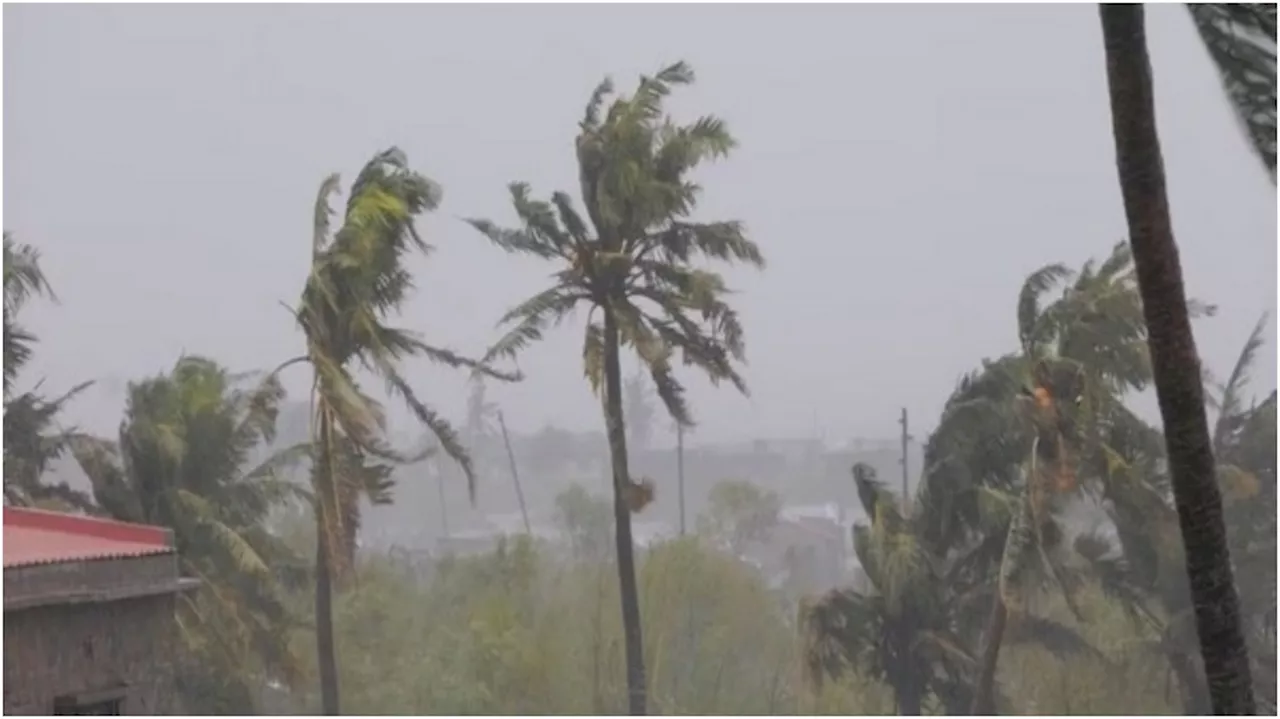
x,y
326,656
1175,363
622,520
326,653
910,703
984,693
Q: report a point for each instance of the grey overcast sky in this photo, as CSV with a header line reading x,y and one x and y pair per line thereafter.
x,y
904,167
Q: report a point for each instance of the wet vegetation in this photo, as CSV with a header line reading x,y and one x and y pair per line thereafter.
x,y
1059,554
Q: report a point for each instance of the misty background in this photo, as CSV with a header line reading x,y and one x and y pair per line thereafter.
x,y
165,160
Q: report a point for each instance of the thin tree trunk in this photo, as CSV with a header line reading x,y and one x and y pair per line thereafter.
x,y
326,656
984,692
1175,363
515,476
444,505
680,471
622,520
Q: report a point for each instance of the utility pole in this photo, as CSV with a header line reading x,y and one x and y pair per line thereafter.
x,y
680,470
444,506
906,439
515,475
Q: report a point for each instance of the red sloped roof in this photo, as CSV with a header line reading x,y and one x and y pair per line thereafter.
x,y
33,536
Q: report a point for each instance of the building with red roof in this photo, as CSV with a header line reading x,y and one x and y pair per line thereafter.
x,y
88,615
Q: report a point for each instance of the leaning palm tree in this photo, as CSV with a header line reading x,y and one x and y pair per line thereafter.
x,y
358,279
632,263
1175,362
184,460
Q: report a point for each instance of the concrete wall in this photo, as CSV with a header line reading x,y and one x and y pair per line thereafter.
x,y
53,651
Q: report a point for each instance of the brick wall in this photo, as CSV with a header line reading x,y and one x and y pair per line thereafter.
x,y
56,650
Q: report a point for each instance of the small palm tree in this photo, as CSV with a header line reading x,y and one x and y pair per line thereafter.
x,y
182,461
634,267
1243,44
31,439
902,629
358,279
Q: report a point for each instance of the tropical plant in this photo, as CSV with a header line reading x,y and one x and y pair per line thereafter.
x,y
1175,361
1079,354
1027,432
356,281
1029,560
31,439
23,279
1147,576
182,461
902,629
635,265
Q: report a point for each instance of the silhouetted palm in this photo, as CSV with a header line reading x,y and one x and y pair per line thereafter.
x,y
1248,67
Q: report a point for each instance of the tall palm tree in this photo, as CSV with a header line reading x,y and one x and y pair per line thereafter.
x,y
183,461
1148,573
1175,362
31,439
634,265
356,281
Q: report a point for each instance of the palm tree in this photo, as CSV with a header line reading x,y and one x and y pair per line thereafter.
x,y
1079,353
1175,362
1024,547
902,629
23,279
1027,425
31,441
1147,575
635,265
182,461
358,279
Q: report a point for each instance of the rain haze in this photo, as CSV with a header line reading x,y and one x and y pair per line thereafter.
x,y
167,158
903,170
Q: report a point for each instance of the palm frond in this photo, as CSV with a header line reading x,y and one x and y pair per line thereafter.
x,y
323,214
1241,39
1230,404
1033,288
531,318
